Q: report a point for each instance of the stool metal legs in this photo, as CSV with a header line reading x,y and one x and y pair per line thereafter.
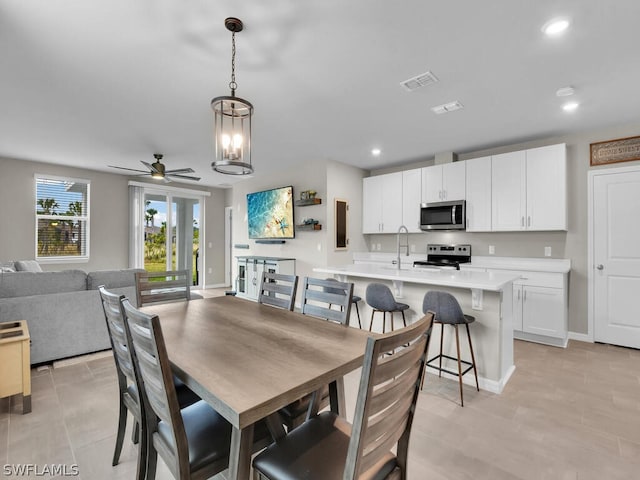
x,y
460,372
384,319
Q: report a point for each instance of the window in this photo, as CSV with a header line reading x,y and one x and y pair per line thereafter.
x,y
62,218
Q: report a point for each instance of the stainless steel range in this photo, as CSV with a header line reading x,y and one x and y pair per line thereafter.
x,y
445,256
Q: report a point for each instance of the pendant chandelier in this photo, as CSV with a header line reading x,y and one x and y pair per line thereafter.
x,y
232,121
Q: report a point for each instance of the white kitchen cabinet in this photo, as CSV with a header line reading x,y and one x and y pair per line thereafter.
x,y
547,188
411,199
249,273
382,203
540,307
478,194
529,189
444,182
508,187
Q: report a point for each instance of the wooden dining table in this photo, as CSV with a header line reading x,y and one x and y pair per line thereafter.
x,y
248,360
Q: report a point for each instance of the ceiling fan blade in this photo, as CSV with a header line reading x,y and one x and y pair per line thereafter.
x,y
180,170
149,166
125,168
186,177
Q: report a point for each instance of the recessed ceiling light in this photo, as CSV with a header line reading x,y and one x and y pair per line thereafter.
x,y
376,152
570,107
565,92
555,27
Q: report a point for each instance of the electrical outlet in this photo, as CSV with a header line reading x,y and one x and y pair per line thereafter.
x,y
492,249
319,247
210,245
210,270
547,251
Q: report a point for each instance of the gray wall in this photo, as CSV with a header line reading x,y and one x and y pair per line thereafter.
x,y
572,244
109,217
310,248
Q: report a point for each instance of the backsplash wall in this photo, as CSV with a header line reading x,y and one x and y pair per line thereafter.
x,y
507,244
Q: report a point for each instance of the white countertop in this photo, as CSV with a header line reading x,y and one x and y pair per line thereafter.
x,y
550,265
492,281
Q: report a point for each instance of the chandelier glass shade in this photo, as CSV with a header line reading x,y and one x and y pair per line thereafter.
x,y
232,122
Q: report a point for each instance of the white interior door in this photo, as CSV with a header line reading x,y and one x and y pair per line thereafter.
x,y
616,256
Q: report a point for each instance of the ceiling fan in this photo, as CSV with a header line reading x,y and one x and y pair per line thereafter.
x,y
157,170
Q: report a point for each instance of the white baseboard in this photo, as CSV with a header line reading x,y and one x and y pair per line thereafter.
x,y
493,386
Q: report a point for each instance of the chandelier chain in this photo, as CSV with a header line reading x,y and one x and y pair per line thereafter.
x,y
233,85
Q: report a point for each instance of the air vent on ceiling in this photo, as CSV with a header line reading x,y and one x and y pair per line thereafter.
x,y
420,81
447,107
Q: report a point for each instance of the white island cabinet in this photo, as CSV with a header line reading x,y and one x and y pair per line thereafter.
x,y
486,296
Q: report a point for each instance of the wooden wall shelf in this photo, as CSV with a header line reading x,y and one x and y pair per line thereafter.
x,y
308,202
310,227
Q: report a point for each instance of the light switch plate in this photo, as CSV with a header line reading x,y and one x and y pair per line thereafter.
x,y
547,251
492,249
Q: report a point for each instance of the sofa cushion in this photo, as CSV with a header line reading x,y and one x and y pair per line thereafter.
x,y
27,266
112,278
22,284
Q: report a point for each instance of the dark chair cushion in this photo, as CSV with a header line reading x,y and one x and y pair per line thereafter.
x,y
208,434
186,396
316,450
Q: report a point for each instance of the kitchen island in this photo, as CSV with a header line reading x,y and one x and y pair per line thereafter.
x,y
487,296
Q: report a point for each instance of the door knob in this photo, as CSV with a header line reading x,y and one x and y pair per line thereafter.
x,y
600,267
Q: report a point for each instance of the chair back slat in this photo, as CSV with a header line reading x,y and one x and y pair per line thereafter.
x,y
156,377
321,296
278,290
114,317
387,396
165,286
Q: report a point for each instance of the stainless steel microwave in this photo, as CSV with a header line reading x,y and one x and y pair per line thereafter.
x,y
443,215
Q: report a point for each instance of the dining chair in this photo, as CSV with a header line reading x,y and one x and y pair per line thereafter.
x,y
354,299
195,441
319,296
165,286
278,290
327,447
125,370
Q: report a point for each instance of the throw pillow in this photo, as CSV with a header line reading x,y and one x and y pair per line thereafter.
x,y
28,266
7,270
8,264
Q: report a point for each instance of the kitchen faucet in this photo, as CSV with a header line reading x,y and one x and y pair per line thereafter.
x,y
406,230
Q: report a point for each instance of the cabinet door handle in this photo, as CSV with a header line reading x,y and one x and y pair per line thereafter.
x,y
529,221
519,294
525,296
522,221
600,267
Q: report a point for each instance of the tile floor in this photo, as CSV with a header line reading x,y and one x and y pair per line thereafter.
x,y
566,414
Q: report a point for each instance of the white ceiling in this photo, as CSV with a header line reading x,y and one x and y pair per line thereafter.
x,y
94,83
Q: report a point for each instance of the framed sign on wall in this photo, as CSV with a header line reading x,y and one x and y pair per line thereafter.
x,y
614,151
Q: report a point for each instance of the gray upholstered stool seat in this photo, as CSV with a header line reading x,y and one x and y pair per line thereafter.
x,y
380,299
447,311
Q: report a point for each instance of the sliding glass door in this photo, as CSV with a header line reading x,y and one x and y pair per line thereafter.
x,y
172,233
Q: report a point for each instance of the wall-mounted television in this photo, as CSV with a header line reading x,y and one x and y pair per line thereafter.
x,y
270,213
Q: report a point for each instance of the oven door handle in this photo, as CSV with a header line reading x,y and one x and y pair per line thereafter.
x,y
453,215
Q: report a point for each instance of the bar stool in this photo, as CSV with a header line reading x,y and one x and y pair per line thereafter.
x,y
380,299
354,299
447,311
